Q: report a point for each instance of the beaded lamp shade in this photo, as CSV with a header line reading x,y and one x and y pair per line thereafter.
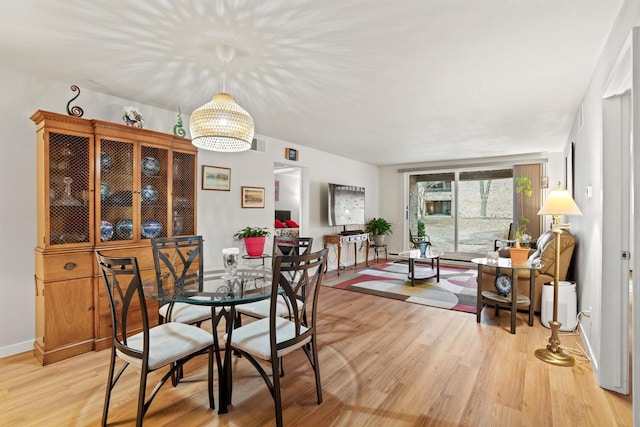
x,y
221,125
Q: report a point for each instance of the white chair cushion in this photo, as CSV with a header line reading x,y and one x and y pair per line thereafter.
x,y
261,308
186,313
168,343
254,337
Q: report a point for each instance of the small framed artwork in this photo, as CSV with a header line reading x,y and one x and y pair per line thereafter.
x,y
544,182
216,178
252,197
291,154
569,161
277,192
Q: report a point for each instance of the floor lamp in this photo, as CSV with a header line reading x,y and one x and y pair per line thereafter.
x,y
558,203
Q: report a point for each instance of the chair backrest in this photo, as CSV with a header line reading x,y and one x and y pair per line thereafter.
x,y
546,252
285,245
307,272
414,240
178,259
511,233
125,292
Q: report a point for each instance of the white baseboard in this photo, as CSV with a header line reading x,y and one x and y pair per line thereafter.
x,y
589,349
18,348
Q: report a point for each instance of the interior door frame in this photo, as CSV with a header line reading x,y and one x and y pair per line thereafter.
x,y
620,110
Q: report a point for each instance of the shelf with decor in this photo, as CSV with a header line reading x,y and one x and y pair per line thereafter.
x,y
108,187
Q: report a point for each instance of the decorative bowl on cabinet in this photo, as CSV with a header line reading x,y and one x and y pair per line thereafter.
x,y
150,166
151,228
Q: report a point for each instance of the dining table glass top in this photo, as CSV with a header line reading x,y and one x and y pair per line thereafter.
x,y
217,287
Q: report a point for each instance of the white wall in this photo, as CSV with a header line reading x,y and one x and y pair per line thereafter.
x,y
219,212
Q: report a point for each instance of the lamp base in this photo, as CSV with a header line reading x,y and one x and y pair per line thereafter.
x,y
553,353
559,358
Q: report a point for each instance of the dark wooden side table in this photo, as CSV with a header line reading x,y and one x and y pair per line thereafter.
x,y
513,299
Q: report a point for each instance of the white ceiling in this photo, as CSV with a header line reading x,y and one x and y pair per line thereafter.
x,y
382,81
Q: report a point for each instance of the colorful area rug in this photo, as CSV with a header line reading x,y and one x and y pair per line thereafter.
x,y
456,289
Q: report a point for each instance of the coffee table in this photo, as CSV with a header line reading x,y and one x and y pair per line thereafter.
x,y
430,257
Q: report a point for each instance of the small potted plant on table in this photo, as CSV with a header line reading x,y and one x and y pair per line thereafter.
x,y
254,238
422,241
379,228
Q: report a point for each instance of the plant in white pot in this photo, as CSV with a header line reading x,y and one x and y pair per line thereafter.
x,y
254,238
379,228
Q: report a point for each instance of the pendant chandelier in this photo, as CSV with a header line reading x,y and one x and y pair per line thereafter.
x,y
221,124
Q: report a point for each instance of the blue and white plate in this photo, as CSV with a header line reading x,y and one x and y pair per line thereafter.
x,y
150,166
106,163
149,194
151,229
106,230
124,229
105,190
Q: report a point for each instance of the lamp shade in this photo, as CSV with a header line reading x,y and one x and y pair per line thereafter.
x,y
221,125
559,202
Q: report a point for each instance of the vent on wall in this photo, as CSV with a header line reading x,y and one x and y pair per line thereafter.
x,y
257,145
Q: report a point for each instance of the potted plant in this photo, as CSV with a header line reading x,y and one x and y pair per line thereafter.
x,y
421,240
520,252
379,228
254,238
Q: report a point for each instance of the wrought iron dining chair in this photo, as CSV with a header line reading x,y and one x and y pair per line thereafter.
x,y
271,338
281,246
179,259
261,309
169,344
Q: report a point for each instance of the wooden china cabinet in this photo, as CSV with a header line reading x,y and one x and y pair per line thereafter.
x,y
108,187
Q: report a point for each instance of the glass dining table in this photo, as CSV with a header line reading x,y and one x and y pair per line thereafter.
x,y
222,292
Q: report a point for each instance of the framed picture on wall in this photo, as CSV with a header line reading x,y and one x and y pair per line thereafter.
x,y
252,197
291,154
568,169
216,178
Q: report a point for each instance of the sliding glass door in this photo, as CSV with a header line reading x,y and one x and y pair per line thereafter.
x,y
485,208
432,199
463,211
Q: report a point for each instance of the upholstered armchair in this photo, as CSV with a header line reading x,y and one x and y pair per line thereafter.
x,y
546,253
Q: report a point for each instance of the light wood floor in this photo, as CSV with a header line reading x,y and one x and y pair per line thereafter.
x,y
383,363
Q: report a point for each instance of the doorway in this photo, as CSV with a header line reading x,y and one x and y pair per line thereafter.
x,y
288,193
619,121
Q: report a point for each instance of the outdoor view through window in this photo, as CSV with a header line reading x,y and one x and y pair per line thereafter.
x,y
483,212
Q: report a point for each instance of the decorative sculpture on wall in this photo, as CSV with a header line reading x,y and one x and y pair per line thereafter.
x,y
75,110
178,130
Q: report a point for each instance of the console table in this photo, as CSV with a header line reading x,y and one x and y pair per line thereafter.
x,y
339,240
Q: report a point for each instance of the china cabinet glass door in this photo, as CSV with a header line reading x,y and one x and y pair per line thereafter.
x,y
154,173
183,191
69,177
116,190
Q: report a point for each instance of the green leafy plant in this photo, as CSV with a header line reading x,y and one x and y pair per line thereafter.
x,y
422,231
523,188
378,226
252,232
